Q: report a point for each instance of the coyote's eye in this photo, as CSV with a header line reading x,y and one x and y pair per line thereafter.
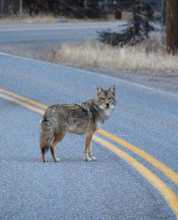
x,y
102,98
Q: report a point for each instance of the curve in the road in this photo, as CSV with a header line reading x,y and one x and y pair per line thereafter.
x,y
170,196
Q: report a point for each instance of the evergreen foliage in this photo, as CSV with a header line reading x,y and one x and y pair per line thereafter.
x,y
71,8
137,30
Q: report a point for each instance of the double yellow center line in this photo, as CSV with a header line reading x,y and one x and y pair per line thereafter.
x,y
169,173
167,193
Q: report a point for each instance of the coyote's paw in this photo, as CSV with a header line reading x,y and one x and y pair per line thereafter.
x,y
93,157
57,159
86,157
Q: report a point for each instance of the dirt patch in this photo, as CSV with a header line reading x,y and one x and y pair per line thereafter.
x,y
42,51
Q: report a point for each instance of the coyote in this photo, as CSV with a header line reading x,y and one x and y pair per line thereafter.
x,y
81,118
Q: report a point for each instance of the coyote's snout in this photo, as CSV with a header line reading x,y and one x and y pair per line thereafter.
x,y
81,118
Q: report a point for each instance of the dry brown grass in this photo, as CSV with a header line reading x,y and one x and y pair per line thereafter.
x,y
149,56
26,19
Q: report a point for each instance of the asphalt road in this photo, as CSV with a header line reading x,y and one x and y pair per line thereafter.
x,y
62,32
41,41
106,189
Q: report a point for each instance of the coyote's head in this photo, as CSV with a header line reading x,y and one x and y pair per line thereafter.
x,y
106,98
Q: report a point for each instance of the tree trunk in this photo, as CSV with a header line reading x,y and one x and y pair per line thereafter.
x,y
2,7
20,7
85,4
172,26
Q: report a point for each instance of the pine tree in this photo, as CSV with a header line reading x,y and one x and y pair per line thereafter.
x,y
138,29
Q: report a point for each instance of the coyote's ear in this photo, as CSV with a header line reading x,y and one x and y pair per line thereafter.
x,y
113,89
99,91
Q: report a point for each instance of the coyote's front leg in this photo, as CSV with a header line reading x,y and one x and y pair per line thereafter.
x,y
88,147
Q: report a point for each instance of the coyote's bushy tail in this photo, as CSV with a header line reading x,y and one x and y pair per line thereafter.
x,y
46,137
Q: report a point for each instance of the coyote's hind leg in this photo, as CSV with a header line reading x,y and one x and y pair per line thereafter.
x,y
57,138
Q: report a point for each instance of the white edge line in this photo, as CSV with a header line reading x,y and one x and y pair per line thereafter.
x,y
162,92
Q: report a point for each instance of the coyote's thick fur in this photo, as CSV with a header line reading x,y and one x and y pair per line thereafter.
x,y
81,118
